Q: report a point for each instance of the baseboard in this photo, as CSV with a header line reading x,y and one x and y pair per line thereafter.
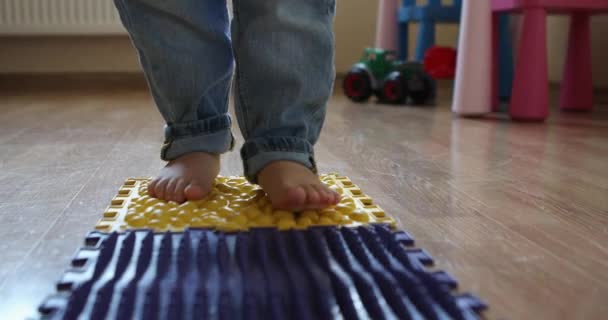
x,y
70,81
10,81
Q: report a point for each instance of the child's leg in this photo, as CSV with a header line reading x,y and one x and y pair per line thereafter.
x,y
184,48
284,51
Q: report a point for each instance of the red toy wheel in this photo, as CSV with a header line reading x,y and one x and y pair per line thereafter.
x,y
357,85
393,90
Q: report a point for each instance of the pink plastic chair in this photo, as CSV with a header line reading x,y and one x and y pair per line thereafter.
x,y
472,88
530,98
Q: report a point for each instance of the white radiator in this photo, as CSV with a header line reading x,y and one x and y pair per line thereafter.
x,y
59,17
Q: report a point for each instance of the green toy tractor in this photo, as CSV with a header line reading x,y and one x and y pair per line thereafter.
x,y
392,81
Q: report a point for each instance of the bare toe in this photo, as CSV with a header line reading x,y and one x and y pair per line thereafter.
x,y
159,189
332,197
179,191
295,198
170,190
335,197
324,196
151,187
312,196
194,191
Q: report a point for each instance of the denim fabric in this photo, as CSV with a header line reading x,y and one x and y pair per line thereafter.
x,y
284,53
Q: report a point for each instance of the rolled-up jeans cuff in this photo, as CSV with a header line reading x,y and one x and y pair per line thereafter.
x,y
258,153
210,135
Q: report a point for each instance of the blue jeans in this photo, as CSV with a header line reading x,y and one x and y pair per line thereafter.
x,y
284,53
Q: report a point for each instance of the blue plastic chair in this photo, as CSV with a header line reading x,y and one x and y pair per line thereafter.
x,y
433,12
427,15
506,67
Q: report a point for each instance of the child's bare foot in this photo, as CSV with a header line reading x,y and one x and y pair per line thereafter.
x,y
189,177
292,186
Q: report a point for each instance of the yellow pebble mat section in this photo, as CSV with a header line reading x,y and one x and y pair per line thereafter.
x,y
235,205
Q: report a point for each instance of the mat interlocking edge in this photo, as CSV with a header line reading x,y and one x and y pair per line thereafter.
x,y
287,266
235,205
366,272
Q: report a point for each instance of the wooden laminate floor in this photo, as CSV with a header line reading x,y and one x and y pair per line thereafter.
x,y
518,212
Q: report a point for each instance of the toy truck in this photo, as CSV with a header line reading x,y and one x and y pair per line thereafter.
x,y
392,81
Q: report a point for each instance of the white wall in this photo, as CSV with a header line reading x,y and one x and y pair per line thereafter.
x,y
67,54
354,28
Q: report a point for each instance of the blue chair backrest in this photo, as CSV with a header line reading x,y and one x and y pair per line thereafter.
x,y
432,3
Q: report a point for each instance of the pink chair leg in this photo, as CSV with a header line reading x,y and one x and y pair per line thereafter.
x,y
530,100
473,83
387,25
577,86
